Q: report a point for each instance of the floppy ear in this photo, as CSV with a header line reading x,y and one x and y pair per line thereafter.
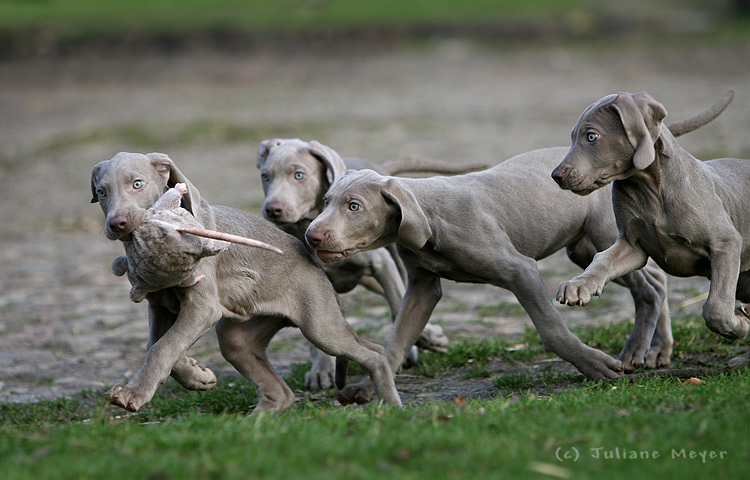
x,y
641,116
169,171
333,162
94,175
265,149
414,229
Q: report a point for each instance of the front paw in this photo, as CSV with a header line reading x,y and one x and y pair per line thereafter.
x,y
358,393
596,364
124,397
192,376
433,339
578,291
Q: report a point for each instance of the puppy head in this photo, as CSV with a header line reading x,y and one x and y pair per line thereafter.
x,y
613,139
365,210
295,174
129,183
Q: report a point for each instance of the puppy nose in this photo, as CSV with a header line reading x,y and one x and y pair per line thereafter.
x,y
314,237
119,224
559,173
273,210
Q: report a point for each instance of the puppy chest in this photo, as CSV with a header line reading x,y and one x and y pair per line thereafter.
x,y
450,268
678,253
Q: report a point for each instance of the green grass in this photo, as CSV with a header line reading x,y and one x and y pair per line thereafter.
x,y
29,25
520,433
508,437
94,17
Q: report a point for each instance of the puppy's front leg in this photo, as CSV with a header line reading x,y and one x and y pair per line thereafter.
x,y
187,371
619,259
719,310
194,319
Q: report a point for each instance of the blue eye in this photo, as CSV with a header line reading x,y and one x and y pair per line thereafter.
x,y
591,137
138,184
264,177
354,206
101,193
299,175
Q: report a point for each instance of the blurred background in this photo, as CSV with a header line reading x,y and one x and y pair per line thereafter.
x,y
206,82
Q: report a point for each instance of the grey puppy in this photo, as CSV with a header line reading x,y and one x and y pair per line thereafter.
x,y
689,216
491,227
249,294
295,175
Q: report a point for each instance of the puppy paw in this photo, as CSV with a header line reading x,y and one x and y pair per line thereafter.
x,y
322,375
192,376
357,393
578,291
433,339
597,365
633,357
660,353
124,397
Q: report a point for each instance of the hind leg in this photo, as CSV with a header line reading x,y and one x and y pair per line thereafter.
x,y
244,346
743,295
331,334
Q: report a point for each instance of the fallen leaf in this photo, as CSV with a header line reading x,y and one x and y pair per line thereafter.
x,y
693,381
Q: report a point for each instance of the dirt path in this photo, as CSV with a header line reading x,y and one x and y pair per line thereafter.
x,y
66,322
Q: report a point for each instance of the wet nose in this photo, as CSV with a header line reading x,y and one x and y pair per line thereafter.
x,y
273,210
119,224
314,237
559,174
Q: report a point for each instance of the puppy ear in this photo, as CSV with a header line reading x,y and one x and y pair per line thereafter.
x,y
331,160
641,117
414,230
94,176
265,149
169,171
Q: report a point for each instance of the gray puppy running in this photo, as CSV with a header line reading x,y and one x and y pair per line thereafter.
x,y
491,227
251,293
295,175
691,217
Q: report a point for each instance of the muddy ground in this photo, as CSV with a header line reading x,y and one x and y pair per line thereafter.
x,y
67,324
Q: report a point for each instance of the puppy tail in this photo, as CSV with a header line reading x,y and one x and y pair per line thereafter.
x,y
342,365
417,165
706,116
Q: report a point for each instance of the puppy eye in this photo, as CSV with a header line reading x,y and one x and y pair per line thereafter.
x,y
354,206
101,193
299,175
592,137
138,184
264,177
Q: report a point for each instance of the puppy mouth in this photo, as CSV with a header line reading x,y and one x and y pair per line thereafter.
x,y
585,189
328,256
125,237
